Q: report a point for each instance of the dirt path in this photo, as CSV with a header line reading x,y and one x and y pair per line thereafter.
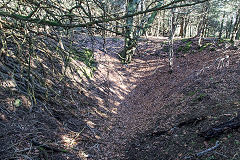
x,y
113,115
148,96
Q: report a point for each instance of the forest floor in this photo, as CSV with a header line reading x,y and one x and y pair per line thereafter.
x,y
137,111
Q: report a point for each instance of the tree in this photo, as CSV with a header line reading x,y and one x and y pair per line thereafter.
x,y
146,22
221,27
129,50
236,26
173,21
31,27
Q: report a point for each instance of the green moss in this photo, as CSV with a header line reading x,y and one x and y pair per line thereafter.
x,y
237,142
213,140
17,103
191,93
200,97
205,46
185,40
212,49
87,57
229,135
210,158
185,48
221,41
188,46
180,49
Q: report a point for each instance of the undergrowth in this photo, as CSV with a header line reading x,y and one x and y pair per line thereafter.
x,y
185,48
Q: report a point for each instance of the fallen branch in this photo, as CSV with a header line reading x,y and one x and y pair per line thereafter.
x,y
191,121
221,128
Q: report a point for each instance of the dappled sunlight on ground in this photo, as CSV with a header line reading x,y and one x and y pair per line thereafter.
x,y
68,142
98,117
112,83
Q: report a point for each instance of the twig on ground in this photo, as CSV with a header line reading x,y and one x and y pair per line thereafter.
x,y
208,150
24,150
203,152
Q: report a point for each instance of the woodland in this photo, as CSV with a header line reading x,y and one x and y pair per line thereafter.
x,y
120,79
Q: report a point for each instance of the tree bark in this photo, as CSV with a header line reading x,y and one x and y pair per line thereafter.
x,y
116,28
221,28
173,21
202,24
158,25
130,43
163,23
129,48
185,27
230,28
236,26
238,35
182,27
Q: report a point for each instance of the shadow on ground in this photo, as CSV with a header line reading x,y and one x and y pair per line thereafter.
x,y
212,94
80,118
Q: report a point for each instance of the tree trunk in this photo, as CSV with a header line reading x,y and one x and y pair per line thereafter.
x,y
163,23
185,27
173,21
181,27
152,31
129,48
158,25
205,30
221,28
230,28
238,34
116,28
235,27
202,24
190,30
200,33
132,37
